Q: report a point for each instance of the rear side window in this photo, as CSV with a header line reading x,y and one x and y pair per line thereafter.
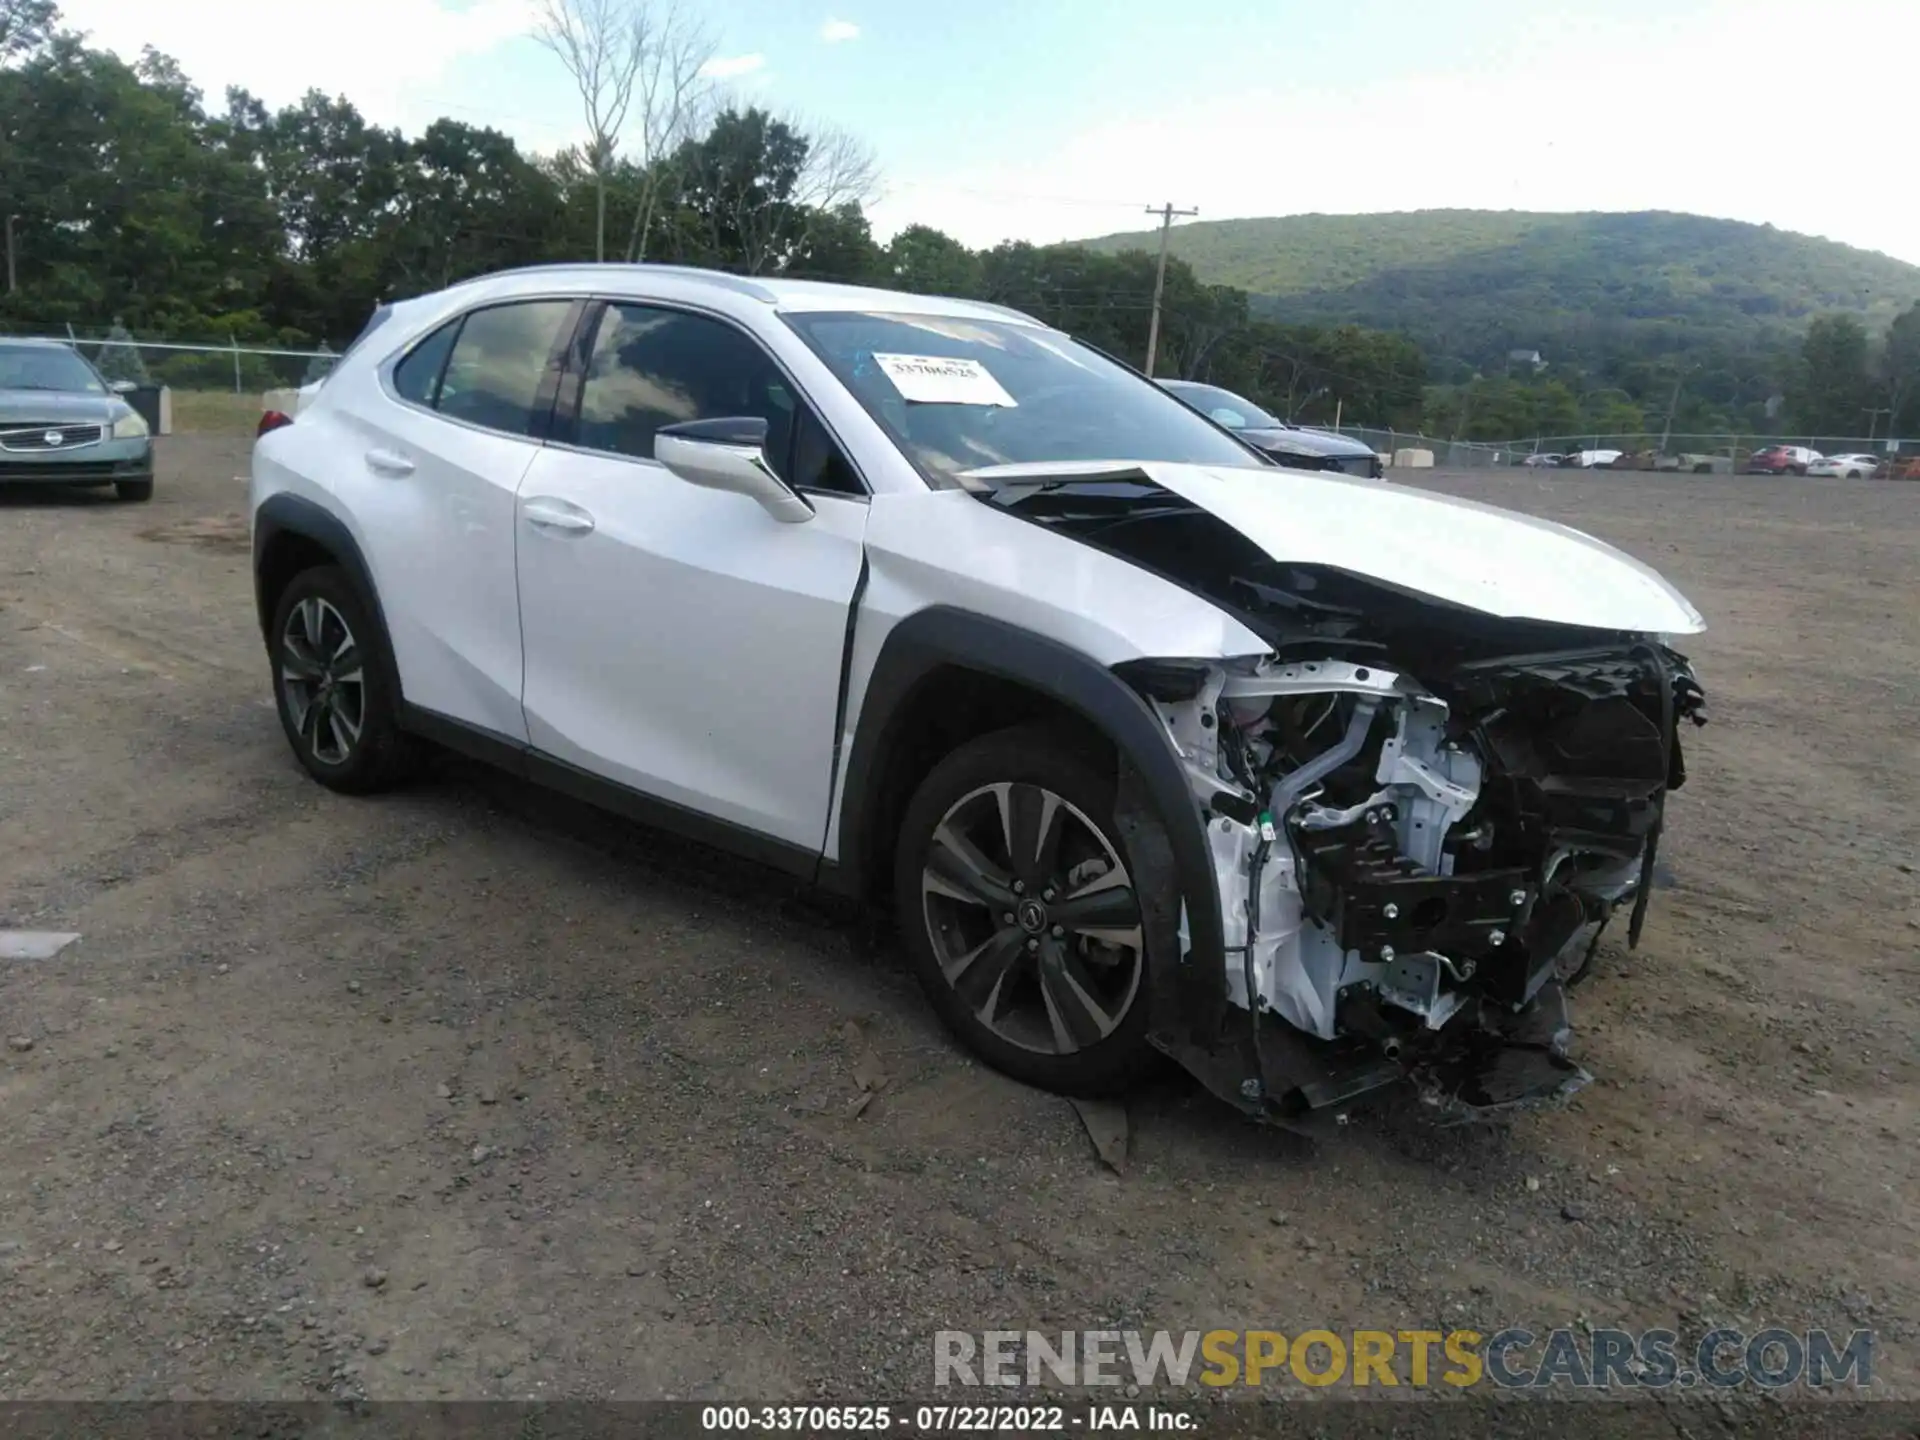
x,y
503,354
417,376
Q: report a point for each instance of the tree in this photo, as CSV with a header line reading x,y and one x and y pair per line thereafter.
x,y
930,262
25,26
675,104
1831,388
752,191
613,48
1900,372
468,203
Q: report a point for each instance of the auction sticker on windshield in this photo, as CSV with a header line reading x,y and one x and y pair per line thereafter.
x,y
939,380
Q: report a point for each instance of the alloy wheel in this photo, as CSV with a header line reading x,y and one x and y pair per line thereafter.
x,y
1033,918
323,681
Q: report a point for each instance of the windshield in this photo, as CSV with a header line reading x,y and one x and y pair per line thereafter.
x,y
962,394
1236,412
46,367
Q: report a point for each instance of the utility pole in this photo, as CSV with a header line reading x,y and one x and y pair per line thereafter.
x,y
1873,422
1666,432
10,270
1166,213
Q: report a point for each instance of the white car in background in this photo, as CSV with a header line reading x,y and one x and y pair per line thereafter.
x,y
1592,459
1844,467
1155,746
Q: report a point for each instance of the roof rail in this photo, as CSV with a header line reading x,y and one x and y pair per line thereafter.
x,y
1007,310
737,283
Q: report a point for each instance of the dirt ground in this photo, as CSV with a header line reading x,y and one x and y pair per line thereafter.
x,y
467,1091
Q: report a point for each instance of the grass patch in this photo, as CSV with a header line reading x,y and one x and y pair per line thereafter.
x,y
215,412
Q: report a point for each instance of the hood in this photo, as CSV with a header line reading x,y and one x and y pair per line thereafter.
x,y
65,407
1293,441
1495,561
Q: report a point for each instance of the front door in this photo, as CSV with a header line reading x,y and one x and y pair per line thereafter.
x,y
681,641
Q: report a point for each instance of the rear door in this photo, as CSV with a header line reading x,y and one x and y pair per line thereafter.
x,y
441,456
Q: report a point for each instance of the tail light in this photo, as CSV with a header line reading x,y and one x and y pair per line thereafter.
x,y
272,420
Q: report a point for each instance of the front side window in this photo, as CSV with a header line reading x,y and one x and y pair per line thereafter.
x,y
649,368
493,375
962,394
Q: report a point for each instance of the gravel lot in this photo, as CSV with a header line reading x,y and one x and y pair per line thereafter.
x,y
470,1092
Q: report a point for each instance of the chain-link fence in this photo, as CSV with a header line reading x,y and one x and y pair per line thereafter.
x,y
1698,454
207,366
1411,448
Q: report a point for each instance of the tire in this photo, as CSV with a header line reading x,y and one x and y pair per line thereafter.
x,y
330,686
1032,988
133,491
1800,470
1703,469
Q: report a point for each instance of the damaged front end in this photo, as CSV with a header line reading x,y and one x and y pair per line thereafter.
x,y
1412,874
1421,818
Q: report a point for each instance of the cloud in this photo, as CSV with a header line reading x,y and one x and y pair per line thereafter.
x,y
1359,151
732,67
834,31
217,43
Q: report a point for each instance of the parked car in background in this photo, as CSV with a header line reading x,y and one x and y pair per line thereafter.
x,y
62,424
1590,459
1156,748
1544,461
1781,460
1844,467
1294,446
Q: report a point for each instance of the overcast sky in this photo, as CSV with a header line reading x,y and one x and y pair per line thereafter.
x,y
1054,119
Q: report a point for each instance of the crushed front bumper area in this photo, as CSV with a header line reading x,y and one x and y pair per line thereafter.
x,y
1410,874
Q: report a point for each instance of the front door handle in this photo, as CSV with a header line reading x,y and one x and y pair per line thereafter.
x,y
389,462
551,514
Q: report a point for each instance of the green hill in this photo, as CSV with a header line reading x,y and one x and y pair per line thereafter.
x,y
1583,288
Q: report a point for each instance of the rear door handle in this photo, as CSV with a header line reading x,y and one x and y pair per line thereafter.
x,y
550,513
388,462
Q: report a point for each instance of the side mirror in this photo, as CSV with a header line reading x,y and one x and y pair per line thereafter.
x,y
729,454
123,387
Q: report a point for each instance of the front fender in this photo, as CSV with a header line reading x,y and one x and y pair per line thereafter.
x,y
940,638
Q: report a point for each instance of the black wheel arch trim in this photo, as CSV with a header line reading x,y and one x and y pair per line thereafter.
x,y
941,637
284,514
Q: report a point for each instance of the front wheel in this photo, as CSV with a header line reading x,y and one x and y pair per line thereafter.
x,y
329,679
133,490
1020,916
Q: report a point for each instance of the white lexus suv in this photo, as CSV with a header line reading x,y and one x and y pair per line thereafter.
x,y
1317,784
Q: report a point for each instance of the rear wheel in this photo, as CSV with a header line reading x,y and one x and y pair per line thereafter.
x,y
329,680
1019,913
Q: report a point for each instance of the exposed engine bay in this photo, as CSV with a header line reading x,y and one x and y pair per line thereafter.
x,y
1421,876
1421,818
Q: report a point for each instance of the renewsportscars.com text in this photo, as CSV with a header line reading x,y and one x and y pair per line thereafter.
x,y
1513,1358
